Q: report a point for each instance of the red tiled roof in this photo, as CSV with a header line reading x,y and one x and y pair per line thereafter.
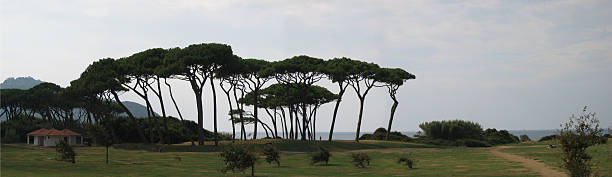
x,y
41,131
54,132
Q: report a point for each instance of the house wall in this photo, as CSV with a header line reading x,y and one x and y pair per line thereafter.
x,y
54,140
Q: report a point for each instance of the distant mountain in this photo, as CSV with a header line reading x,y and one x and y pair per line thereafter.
x,y
22,83
139,111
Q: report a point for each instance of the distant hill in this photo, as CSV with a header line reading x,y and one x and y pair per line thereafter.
x,y
139,111
22,83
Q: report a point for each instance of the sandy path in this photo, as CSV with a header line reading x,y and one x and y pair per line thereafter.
x,y
534,165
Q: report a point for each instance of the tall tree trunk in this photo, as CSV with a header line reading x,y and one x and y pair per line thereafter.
x,y
255,115
214,94
132,118
342,90
198,96
229,100
361,101
173,101
291,122
304,123
106,154
163,108
393,108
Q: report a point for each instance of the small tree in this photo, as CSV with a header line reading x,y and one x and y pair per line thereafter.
x,y
360,158
272,154
101,136
407,160
238,158
575,137
65,152
525,138
321,156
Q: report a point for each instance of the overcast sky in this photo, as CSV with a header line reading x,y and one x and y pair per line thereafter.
x,y
504,64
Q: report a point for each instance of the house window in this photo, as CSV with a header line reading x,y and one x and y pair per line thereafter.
x,y
78,140
31,140
66,139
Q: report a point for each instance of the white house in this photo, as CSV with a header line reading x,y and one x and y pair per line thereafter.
x,y
44,137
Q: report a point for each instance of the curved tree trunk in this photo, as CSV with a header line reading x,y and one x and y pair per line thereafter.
x,y
342,90
361,101
132,118
393,108
173,101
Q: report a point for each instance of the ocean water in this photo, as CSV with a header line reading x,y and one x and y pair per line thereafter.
x,y
533,134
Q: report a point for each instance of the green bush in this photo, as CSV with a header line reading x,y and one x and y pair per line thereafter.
x,y
494,137
64,152
475,143
380,134
320,156
272,154
361,159
575,137
525,138
548,138
238,158
407,160
452,129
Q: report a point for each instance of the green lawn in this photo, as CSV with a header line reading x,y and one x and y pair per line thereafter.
x,y
602,155
22,160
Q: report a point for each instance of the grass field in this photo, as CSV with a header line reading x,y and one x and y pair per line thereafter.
x,y
602,155
23,160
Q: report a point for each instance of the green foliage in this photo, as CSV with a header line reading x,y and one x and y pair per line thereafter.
x,y
525,138
407,160
238,158
272,154
64,152
320,156
495,137
360,159
380,134
549,138
475,143
452,129
100,135
575,137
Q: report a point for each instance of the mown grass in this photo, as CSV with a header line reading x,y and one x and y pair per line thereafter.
x,y
602,155
23,160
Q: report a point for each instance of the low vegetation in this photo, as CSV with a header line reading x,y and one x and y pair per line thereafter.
x,y
360,159
238,158
381,133
462,133
272,154
576,136
407,160
65,152
322,155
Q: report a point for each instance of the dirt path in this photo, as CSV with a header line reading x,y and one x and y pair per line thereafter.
x,y
534,165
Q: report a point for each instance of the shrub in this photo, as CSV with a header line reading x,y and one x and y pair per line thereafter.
x,y
321,156
359,159
575,137
238,158
272,154
407,160
452,129
548,138
65,152
492,136
380,134
475,143
525,138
